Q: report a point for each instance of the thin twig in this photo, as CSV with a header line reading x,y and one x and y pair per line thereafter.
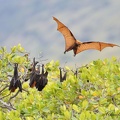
x,y
113,99
13,96
5,96
25,90
4,88
5,105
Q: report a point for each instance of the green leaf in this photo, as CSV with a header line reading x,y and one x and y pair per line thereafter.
x,y
67,115
29,118
117,110
3,49
76,108
88,115
40,119
20,48
13,49
57,63
1,116
102,110
111,107
82,116
16,59
93,116
63,108
85,104
103,101
46,109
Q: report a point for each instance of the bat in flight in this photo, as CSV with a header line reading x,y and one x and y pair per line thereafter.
x,y
15,82
72,44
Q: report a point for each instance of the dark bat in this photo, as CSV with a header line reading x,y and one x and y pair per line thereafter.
x,y
15,82
42,81
42,68
33,76
62,78
72,44
31,71
38,69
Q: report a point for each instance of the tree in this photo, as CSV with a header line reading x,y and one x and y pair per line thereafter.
x,y
93,94
17,55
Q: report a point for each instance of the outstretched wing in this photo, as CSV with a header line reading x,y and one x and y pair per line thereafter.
x,y
93,45
69,37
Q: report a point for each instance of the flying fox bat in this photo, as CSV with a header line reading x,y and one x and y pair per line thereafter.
x,y
42,81
72,44
15,82
33,76
62,78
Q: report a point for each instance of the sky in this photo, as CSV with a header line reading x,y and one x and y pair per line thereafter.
x,y
30,23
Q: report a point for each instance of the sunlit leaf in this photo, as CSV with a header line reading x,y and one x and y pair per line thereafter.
x,y
102,110
76,108
85,104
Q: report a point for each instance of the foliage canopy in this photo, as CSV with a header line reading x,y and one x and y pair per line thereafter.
x,y
94,94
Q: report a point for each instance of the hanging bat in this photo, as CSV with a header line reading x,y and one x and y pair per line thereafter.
x,y
42,81
38,69
72,44
31,71
33,76
62,78
15,82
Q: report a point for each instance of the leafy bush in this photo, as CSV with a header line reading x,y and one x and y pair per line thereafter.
x,y
93,95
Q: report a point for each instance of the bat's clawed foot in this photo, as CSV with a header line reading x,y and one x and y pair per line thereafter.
x,y
65,52
74,55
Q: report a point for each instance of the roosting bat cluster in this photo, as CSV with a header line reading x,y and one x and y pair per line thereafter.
x,y
38,78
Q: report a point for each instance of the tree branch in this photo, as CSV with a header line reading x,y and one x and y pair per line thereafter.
x,y
4,88
13,96
8,106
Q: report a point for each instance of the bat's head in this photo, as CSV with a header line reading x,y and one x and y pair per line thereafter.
x,y
74,51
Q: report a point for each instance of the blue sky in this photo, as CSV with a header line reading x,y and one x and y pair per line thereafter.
x,y
30,23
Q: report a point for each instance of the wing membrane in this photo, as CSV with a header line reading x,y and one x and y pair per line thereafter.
x,y
93,45
69,37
